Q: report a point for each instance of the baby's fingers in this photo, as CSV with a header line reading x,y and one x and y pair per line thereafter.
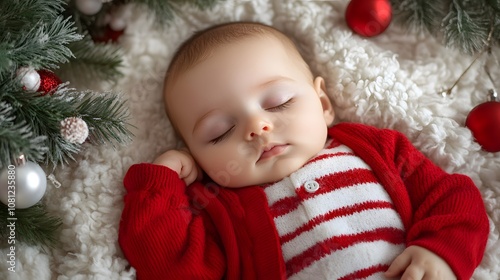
x,y
413,272
189,176
190,171
399,265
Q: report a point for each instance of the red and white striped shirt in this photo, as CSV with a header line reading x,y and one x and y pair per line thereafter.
x,y
334,219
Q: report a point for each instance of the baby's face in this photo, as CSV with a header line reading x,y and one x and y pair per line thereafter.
x,y
250,114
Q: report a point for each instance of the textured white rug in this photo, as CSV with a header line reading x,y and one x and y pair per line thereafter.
x,y
387,81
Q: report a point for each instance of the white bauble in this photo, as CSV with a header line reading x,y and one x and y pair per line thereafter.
x,y
30,79
27,184
89,7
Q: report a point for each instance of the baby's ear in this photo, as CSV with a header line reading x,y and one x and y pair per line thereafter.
x,y
320,88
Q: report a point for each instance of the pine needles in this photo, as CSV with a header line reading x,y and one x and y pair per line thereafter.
x,y
35,41
38,36
34,225
166,10
35,34
54,35
462,24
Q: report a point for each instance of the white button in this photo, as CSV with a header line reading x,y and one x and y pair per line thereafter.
x,y
311,186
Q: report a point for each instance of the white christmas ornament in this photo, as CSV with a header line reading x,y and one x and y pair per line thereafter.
x,y
74,130
89,7
30,79
22,186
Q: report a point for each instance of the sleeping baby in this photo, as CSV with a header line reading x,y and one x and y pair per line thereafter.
x,y
269,188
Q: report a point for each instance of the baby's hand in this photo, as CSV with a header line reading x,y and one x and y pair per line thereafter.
x,y
417,263
181,162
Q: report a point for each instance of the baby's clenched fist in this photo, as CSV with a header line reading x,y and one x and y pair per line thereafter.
x,y
181,162
417,263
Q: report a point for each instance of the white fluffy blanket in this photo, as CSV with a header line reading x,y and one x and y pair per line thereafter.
x,y
388,81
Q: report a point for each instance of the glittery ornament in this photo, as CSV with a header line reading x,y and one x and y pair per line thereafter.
x,y
30,79
74,130
48,82
368,17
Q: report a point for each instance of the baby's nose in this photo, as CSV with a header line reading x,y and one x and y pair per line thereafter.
x,y
257,129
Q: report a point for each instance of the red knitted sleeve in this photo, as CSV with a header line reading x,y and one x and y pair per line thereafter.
x,y
159,235
449,217
442,212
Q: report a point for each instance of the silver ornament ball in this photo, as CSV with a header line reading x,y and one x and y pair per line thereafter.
x,y
89,7
30,184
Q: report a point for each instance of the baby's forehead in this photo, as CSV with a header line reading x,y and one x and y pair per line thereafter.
x,y
217,51
214,60
205,50
203,47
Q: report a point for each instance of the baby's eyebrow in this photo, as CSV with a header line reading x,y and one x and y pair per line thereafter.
x,y
273,80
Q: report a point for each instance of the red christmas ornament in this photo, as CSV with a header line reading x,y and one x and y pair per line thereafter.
x,y
107,34
484,122
368,17
48,82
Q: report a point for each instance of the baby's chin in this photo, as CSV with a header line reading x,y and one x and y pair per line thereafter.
x,y
275,173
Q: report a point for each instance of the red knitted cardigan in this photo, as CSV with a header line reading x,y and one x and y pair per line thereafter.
x,y
170,231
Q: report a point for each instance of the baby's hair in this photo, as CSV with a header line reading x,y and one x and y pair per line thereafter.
x,y
200,46
203,43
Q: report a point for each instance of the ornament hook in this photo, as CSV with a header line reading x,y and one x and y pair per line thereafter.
x,y
447,92
20,160
492,95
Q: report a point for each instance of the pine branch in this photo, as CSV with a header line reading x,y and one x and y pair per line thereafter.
x,y
495,4
44,114
163,10
462,24
34,225
466,27
166,10
17,139
41,116
205,4
106,117
17,16
35,33
91,62
43,46
5,62
419,15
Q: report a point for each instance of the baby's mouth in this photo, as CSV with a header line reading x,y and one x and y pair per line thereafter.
x,y
272,150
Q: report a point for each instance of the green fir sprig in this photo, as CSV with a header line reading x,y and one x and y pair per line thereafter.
x,y
34,225
461,24
17,138
54,35
105,114
35,34
91,62
39,44
106,117
165,11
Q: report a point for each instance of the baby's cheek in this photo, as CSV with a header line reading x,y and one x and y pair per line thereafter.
x,y
246,151
225,172
282,121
